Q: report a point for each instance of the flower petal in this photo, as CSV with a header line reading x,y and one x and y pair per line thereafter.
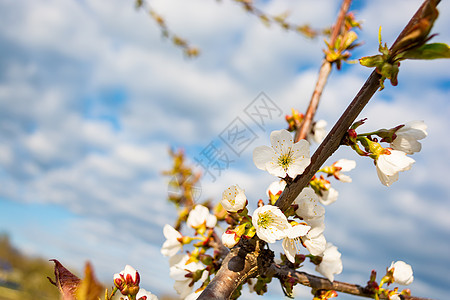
x,y
171,247
170,232
331,262
345,164
289,249
275,169
262,155
297,231
315,245
281,141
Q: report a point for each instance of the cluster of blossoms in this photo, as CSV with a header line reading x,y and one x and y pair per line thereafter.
x,y
186,269
301,227
270,224
390,161
322,186
127,282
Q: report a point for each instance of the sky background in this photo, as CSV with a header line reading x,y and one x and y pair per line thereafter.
x,y
92,97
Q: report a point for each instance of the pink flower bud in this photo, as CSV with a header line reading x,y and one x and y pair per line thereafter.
x,y
127,281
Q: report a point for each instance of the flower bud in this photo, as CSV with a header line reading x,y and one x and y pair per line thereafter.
x,y
233,199
402,273
230,239
127,281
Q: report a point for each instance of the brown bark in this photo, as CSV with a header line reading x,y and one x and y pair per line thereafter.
x,y
243,262
331,142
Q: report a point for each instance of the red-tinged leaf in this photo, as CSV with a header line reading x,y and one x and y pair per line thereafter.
x,y
66,282
418,32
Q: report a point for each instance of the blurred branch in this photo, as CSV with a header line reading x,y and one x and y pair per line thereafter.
x,y
192,51
324,72
182,185
280,20
188,50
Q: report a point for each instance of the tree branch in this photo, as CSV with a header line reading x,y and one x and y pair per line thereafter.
x,y
324,72
320,283
243,262
331,143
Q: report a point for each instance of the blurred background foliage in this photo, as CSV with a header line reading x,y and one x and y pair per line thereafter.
x,y
24,277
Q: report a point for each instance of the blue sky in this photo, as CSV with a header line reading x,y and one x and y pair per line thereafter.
x,y
91,98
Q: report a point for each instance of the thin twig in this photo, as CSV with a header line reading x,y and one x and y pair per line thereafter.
x,y
324,72
280,20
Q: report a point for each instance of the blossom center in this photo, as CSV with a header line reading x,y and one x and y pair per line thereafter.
x,y
265,220
285,160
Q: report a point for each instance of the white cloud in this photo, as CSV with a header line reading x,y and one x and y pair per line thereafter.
x,y
6,155
57,147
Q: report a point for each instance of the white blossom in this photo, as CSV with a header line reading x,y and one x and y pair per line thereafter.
x,y
407,137
276,187
328,196
394,297
292,242
317,224
145,295
318,132
200,215
283,158
233,199
308,206
270,223
390,164
403,273
344,165
312,213
178,271
229,239
315,241
331,263
172,244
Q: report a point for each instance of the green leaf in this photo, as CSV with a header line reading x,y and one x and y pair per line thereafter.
x,y
371,61
428,51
